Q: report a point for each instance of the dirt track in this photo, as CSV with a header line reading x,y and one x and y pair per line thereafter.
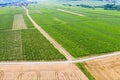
x,y
41,72
70,12
105,69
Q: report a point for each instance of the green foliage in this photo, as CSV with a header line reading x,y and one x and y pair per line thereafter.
x,y
84,70
112,7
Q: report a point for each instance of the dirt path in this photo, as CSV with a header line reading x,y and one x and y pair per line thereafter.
x,y
18,22
50,39
70,12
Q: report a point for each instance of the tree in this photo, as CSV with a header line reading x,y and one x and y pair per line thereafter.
x,y
108,6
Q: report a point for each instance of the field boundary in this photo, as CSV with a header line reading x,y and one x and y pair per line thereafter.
x,y
49,38
62,10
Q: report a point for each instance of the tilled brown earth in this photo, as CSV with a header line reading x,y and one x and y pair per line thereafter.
x,y
41,72
105,69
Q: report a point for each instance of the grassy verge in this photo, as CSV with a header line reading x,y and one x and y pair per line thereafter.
x,y
84,70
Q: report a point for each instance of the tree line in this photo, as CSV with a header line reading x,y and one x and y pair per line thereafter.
x,y
106,7
112,7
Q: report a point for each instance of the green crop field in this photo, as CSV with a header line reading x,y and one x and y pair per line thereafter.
x,y
95,33
82,32
19,45
36,47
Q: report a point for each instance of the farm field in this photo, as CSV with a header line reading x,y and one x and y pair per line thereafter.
x,y
41,72
10,45
108,68
92,34
36,47
40,51
20,41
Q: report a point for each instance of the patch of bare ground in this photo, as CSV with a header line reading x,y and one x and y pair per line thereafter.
x,y
105,69
18,22
41,72
70,12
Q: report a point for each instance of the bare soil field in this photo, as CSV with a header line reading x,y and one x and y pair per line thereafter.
x,y
105,69
18,22
41,72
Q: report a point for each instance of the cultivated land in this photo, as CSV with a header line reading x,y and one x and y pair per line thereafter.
x,y
10,45
41,72
105,69
18,44
67,30
25,43
92,34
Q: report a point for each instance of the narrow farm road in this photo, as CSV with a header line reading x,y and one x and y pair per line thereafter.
x,y
49,38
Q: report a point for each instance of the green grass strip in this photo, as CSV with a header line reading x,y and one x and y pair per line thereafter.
x,y
85,71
